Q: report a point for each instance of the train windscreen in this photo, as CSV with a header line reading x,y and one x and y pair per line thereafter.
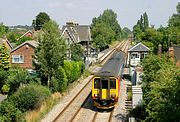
x,y
104,84
112,83
96,83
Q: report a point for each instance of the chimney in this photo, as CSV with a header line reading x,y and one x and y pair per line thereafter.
x,y
159,50
69,23
72,24
171,53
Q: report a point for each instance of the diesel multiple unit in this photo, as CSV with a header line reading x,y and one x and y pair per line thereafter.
x,y
106,83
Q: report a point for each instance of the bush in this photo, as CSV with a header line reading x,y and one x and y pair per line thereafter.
x,y
5,89
9,113
60,81
139,113
29,97
81,66
68,69
16,77
75,73
3,77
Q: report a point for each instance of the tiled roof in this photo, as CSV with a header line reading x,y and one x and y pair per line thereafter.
x,y
139,48
77,33
32,43
1,41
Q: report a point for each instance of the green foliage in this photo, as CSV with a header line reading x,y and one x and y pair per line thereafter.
x,y
75,73
40,20
161,88
3,77
125,32
9,113
174,27
4,57
14,37
29,97
139,112
68,69
77,52
141,26
102,35
174,20
51,52
5,89
73,70
105,29
16,77
3,30
62,79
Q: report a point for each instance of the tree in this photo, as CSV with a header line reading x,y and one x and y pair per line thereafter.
x,y
40,20
174,27
161,87
3,30
4,57
51,52
102,35
141,26
60,80
105,29
146,21
77,52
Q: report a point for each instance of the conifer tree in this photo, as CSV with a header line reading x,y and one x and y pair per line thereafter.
x,y
4,57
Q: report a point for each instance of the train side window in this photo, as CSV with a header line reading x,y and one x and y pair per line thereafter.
x,y
96,83
104,84
112,83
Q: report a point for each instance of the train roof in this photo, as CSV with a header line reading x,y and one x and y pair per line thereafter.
x,y
113,66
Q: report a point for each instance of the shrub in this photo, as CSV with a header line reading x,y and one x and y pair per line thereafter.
x,y
3,77
9,113
81,66
29,96
5,89
60,80
75,73
68,69
16,77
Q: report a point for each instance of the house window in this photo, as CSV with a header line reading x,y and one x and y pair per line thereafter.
x,y
17,59
133,56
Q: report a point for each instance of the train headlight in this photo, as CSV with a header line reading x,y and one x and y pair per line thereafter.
x,y
113,95
96,95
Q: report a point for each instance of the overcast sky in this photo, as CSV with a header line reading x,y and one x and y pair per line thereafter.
x,y
22,12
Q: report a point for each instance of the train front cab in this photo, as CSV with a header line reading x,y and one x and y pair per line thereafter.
x,y
105,92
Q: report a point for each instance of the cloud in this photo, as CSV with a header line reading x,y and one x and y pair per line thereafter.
x,y
55,4
70,5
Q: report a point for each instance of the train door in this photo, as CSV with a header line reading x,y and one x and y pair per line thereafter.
x,y
105,86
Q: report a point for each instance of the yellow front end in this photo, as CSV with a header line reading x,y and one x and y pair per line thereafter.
x,y
105,97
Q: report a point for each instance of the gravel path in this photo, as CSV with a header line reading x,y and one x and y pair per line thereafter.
x,y
120,111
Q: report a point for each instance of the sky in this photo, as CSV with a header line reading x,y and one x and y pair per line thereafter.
x,y
22,12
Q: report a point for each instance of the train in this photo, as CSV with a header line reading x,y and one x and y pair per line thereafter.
x,y
106,83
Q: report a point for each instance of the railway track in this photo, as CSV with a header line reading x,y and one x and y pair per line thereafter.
x,y
73,106
82,100
103,116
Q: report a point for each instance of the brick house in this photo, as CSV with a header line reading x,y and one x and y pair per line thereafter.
x,y
26,34
22,55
